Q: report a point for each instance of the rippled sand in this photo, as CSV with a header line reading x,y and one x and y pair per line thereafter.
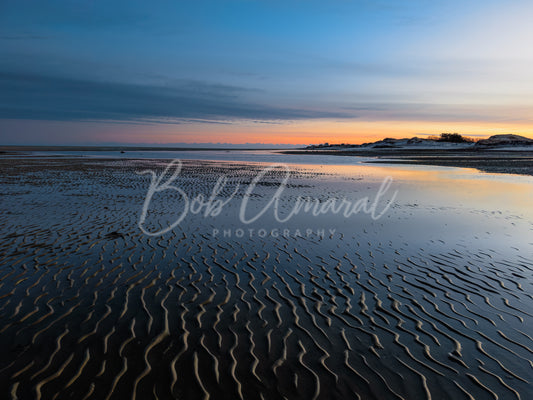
x,y
91,308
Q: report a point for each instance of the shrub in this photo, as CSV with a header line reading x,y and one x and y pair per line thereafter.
x,y
453,138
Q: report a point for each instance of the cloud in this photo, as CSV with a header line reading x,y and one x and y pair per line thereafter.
x,y
43,97
23,37
30,96
441,112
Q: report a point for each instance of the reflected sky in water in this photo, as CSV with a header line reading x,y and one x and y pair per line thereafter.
x,y
481,209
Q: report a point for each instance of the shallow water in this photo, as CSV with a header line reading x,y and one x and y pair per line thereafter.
x,y
432,300
268,156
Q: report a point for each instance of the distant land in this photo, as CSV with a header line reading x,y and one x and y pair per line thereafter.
x,y
113,146
444,141
149,147
510,154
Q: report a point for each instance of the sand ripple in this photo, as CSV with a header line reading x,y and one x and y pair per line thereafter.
x,y
92,309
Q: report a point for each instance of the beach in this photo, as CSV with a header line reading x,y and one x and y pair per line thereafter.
x,y
253,280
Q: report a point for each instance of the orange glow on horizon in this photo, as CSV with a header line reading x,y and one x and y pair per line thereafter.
x,y
294,133
315,132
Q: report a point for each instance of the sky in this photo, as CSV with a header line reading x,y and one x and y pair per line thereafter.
x,y
262,71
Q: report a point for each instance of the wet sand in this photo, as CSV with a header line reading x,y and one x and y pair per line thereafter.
x,y
91,308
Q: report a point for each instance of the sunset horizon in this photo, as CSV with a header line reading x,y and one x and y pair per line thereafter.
x,y
263,72
266,199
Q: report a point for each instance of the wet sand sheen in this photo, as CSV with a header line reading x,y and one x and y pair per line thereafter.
x,y
93,309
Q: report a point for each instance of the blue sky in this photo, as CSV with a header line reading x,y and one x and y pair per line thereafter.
x,y
227,71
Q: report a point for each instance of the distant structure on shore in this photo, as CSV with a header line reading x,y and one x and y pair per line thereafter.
x,y
445,140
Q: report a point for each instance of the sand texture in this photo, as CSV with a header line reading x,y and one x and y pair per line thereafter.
x,y
92,308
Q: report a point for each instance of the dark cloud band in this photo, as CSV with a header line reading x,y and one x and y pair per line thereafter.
x,y
33,96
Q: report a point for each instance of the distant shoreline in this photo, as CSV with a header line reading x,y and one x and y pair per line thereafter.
x,y
16,148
